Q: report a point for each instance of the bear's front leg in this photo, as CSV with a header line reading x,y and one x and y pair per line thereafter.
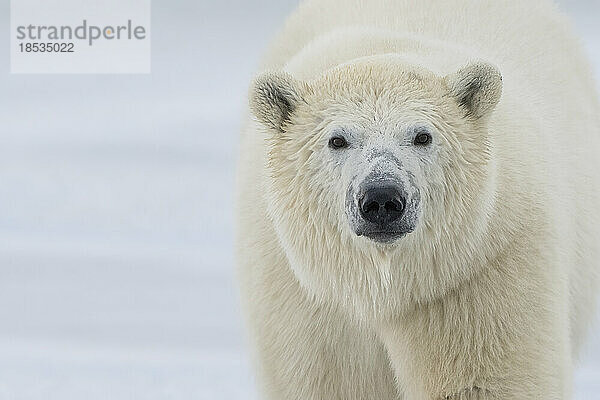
x,y
502,335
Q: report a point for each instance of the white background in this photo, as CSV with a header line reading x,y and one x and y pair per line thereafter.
x,y
116,265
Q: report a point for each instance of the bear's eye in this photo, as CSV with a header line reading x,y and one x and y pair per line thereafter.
x,y
337,142
422,139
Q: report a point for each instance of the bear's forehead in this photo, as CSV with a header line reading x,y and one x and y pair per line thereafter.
x,y
382,107
372,87
380,77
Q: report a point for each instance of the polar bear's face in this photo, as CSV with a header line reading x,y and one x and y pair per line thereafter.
x,y
373,152
384,176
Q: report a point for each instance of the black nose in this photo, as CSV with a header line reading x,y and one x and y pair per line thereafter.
x,y
382,205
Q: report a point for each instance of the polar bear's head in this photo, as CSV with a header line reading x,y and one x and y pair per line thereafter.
x,y
374,155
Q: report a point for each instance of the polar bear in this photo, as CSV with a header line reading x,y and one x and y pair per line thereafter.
x,y
418,202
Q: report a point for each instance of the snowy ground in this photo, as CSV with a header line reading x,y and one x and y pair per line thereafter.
x,y
116,269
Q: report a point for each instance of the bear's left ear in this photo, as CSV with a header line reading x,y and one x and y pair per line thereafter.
x,y
273,97
477,88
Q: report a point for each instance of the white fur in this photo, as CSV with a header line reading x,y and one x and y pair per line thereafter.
x,y
490,296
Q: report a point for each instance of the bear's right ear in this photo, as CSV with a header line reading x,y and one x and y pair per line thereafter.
x,y
273,98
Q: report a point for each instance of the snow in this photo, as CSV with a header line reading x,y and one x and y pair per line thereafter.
x,y
116,268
